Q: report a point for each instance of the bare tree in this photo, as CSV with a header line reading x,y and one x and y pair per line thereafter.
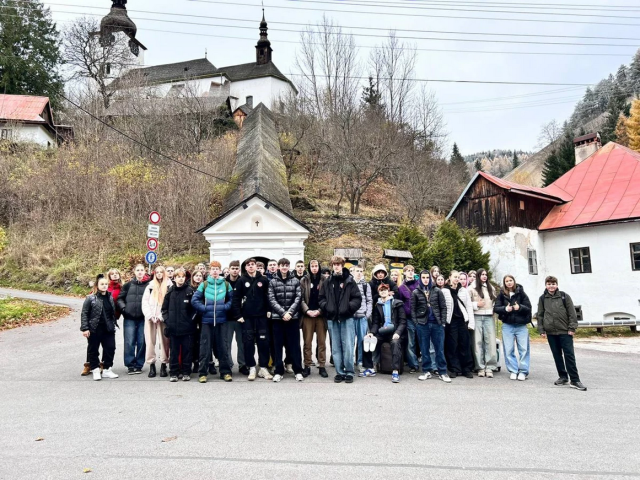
x,y
549,133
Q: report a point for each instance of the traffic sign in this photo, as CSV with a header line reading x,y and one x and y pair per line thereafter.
x,y
153,231
154,217
151,257
152,244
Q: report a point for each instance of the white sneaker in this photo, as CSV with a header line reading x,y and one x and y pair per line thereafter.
x,y
424,376
277,378
252,374
360,368
96,374
264,373
216,363
288,368
109,374
445,378
299,377
522,377
513,376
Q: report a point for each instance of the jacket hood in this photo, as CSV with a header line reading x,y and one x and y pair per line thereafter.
x,y
379,268
345,274
217,281
382,302
314,278
423,287
279,275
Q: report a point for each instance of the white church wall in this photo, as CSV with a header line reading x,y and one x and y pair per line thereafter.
x,y
266,90
612,286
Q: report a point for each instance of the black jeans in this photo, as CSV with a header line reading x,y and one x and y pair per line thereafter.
x,y
208,335
287,335
563,345
195,345
457,350
256,330
177,343
108,341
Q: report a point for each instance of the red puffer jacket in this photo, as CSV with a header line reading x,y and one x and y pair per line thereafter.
x,y
114,289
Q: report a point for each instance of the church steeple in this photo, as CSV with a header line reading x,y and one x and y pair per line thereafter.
x,y
263,48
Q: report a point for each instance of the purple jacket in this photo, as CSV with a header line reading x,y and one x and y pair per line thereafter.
x,y
404,294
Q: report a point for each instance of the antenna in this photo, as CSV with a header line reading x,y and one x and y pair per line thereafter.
x,y
205,53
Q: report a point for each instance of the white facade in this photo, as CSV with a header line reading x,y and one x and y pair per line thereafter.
x,y
255,231
611,289
34,133
266,90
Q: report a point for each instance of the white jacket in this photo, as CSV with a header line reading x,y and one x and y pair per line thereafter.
x,y
150,307
466,307
475,298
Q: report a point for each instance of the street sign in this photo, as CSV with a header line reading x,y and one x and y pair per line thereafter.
x,y
153,231
152,244
151,257
154,217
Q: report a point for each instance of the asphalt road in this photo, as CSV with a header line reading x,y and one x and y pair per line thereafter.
x,y
470,429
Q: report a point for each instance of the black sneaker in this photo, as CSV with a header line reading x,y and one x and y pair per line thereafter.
x,y
244,370
413,370
137,371
306,371
578,386
212,369
468,375
323,372
163,370
561,381
152,370
131,371
338,379
453,374
349,379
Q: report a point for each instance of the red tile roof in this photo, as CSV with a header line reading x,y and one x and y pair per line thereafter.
x,y
545,192
603,188
23,108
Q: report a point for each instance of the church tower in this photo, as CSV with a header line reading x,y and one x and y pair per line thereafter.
x,y
263,48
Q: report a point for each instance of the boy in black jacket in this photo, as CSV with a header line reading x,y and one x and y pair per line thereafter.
x,y
178,316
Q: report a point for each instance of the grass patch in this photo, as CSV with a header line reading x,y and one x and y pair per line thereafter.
x,y
16,312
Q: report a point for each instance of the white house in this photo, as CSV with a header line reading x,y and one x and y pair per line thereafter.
x,y
258,219
584,229
246,84
25,118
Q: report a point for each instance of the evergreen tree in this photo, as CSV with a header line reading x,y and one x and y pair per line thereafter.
x,y
29,50
371,95
459,166
633,126
634,75
478,165
561,160
616,106
516,161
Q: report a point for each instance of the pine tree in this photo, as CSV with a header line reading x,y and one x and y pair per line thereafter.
x,y
371,95
621,131
633,126
459,166
561,160
516,161
634,75
29,50
478,165
616,106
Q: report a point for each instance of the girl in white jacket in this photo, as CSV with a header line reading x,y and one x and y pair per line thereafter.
x,y
153,323
459,321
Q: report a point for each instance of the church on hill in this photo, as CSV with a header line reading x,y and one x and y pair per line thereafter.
x,y
239,86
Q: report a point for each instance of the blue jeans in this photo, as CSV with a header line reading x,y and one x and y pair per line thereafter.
x,y
432,333
134,345
343,338
362,327
512,335
412,358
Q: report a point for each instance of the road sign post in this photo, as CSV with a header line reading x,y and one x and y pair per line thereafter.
x,y
152,244
153,234
151,257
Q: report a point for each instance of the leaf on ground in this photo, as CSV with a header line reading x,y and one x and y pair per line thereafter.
x,y
86,470
169,439
39,439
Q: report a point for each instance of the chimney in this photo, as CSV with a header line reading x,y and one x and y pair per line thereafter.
x,y
586,145
249,101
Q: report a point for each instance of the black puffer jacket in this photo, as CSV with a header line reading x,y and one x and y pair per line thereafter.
x,y
398,317
251,296
285,296
130,299
177,312
519,317
92,312
420,306
438,306
340,297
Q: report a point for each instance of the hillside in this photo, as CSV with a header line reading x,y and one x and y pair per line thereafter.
x,y
496,162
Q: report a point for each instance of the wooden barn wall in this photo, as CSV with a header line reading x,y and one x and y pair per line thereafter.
x,y
484,207
534,211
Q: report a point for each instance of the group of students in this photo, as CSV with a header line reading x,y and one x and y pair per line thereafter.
x,y
442,327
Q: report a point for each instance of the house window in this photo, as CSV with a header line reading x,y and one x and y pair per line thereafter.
x,y
7,133
635,256
521,204
580,260
533,262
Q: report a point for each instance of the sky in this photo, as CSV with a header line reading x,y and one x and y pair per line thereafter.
x,y
478,116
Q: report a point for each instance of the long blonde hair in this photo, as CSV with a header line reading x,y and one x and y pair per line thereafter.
x,y
114,270
159,289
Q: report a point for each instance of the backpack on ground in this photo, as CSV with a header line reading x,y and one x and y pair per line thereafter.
x,y
386,359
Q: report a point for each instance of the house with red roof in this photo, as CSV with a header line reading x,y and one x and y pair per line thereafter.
x,y
25,118
584,229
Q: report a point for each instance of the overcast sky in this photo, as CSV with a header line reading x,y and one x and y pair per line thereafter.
x,y
478,116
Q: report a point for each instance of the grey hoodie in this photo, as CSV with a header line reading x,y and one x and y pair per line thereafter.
x,y
367,302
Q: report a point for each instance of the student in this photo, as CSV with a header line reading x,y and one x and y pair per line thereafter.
x,y
285,297
429,311
514,309
154,325
378,277
389,324
313,321
130,304
196,279
362,317
225,272
471,277
250,305
435,272
459,321
202,268
235,327
409,285
170,271
395,276
340,299
299,273
260,268
557,321
483,296
326,272
179,326
213,301
272,269
463,279
98,326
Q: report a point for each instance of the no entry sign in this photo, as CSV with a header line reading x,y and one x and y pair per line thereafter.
x,y
152,244
154,217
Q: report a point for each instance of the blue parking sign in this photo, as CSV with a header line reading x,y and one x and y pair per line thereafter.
x,y
151,257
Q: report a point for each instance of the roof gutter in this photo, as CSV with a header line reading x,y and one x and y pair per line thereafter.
x,y
541,197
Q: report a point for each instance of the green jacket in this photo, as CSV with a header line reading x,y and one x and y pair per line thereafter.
x,y
553,317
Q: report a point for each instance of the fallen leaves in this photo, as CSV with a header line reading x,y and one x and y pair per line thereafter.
x,y
86,470
16,312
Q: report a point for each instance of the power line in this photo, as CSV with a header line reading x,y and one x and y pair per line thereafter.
x,y
138,142
542,6
511,97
